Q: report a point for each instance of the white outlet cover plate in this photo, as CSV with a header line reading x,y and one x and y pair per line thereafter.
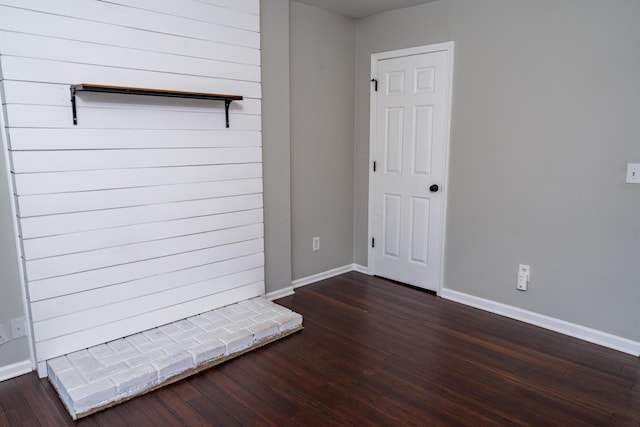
x,y
522,283
18,328
633,173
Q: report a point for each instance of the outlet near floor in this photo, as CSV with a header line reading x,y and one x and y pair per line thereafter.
x,y
18,328
524,275
316,243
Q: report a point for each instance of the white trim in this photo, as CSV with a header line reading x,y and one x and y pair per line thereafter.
x,y
4,145
361,269
42,370
285,292
372,150
15,370
280,293
417,50
447,145
571,329
322,276
375,58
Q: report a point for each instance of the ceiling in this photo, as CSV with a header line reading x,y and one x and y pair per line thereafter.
x,y
362,8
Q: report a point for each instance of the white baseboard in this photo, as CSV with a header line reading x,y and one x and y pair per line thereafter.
x,y
571,329
285,292
322,276
280,293
361,269
15,370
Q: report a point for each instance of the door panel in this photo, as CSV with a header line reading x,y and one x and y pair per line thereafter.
x,y
393,141
419,230
391,225
422,139
410,119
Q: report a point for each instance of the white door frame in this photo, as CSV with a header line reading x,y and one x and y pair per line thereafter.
x,y
375,58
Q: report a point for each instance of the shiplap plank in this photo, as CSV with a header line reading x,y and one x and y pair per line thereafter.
x,y
98,316
47,349
207,116
63,182
58,161
71,303
40,47
197,11
228,44
39,116
250,6
146,276
45,268
50,204
36,93
135,217
47,71
17,92
23,139
99,239
84,221
111,13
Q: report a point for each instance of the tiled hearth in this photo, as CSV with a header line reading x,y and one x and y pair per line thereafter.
x,y
101,376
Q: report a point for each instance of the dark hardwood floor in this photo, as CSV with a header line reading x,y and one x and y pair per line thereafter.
x,y
377,353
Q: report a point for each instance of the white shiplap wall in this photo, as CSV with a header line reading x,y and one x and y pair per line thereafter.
x,y
149,210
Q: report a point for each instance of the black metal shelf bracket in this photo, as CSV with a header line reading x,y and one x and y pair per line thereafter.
x,y
84,87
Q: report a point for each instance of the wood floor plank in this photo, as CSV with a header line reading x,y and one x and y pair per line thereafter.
x,y
179,407
212,412
40,403
373,353
127,414
157,412
185,391
251,401
242,414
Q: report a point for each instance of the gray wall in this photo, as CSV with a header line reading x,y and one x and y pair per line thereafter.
x,y
545,118
322,96
276,142
11,302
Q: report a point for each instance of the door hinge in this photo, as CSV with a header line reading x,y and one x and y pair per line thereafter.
x,y
375,86
374,166
373,242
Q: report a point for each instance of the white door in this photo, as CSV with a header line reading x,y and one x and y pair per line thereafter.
x,y
410,116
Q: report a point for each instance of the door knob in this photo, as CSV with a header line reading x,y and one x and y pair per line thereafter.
x,y
434,188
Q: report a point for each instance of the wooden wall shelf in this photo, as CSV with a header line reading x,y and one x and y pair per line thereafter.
x,y
86,87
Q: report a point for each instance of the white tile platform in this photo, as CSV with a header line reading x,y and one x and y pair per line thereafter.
x,y
99,377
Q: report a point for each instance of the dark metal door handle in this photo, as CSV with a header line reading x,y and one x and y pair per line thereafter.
x,y
434,188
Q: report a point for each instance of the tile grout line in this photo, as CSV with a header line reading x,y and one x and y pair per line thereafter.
x,y
107,374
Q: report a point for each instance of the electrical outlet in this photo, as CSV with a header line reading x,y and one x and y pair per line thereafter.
x,y
18,328
524,276
633,173
316,243
4,338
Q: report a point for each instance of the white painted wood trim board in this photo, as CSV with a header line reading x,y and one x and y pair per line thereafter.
x,y
563,327
15,370
290,290
566,328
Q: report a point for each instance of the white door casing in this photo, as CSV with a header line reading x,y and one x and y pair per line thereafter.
x,y
410,116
